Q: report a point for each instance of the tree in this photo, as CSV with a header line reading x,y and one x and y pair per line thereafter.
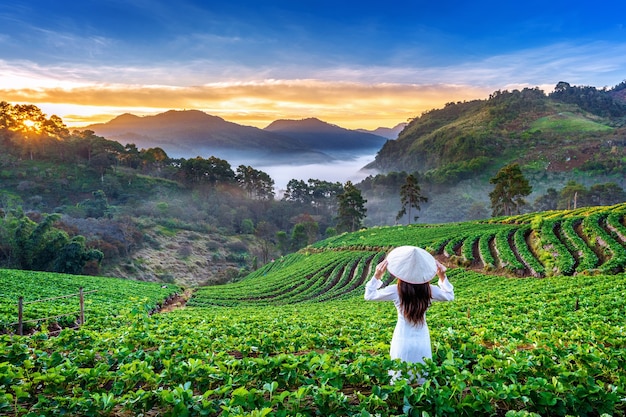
x,y
351,209
207,171
266,233
257,183
37,245
411,197
606,194
548,201
323,193
510,188
74,255
297,191
478,210
96,207
282,242
570,194
304,232
152,158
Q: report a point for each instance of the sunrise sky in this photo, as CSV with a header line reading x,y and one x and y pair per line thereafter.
x,y
357,64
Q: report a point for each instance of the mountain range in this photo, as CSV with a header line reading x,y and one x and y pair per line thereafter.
x,y
191,133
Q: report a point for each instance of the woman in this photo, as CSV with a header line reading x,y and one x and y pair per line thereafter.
x,y
414,268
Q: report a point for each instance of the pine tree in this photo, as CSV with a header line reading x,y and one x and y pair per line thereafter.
x,y
410,197
351,209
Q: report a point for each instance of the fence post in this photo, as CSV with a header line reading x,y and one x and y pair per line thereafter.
x,y
20,311
82,308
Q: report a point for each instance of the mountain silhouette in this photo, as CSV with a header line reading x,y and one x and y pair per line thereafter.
x,y
191,133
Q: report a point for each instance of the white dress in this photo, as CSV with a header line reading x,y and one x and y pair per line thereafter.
x,y
410,342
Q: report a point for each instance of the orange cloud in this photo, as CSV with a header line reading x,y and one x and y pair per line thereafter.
x,y
347,104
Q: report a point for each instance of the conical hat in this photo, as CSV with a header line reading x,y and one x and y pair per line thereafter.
x,y
411,264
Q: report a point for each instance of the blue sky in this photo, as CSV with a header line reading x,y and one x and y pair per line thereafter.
x,y
356,64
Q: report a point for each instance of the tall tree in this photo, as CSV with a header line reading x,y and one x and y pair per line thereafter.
x,y
207,171
297,191
548,201
410,197
266,233
510,188
351,210
571,194
258,184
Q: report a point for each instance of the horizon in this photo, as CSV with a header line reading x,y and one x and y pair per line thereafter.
x,y
356,65
259,127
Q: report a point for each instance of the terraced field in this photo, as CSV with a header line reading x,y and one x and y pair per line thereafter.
x,y
537,328
588,241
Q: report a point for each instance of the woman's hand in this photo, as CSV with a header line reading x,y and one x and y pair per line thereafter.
x,y
441,270
380,269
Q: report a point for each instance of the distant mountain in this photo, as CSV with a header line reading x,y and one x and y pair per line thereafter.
x,y
192,133
327,137
386,132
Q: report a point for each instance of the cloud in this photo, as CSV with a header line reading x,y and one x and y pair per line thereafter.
x,y
348,104
350,96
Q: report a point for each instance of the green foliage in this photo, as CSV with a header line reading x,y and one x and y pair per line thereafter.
x,y
42,247
74,255
351,209
465,139
114,296
503,347
296,337
510,186
207,171
96,207
588,98
257,183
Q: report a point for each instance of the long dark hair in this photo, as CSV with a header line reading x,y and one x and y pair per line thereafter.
x,y
414,300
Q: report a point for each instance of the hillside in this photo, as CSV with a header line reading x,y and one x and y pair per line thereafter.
x,y
297,338
571,128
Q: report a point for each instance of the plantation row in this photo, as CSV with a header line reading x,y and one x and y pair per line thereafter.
x,y
590,241
554,347
315,277
112,297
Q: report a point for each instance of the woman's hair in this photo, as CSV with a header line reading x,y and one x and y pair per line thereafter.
x,y
414,300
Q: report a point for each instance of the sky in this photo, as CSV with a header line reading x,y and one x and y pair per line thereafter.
x,y
356,64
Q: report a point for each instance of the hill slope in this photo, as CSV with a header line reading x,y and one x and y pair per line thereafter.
x,y
463,140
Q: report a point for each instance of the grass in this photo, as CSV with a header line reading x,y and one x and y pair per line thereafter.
x,y
567,122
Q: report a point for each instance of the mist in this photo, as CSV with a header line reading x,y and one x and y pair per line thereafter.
x,y
334,171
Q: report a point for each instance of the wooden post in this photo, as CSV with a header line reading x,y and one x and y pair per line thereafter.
x,y
20,311
81,319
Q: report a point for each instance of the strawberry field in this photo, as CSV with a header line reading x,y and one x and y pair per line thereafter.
x,y
537,328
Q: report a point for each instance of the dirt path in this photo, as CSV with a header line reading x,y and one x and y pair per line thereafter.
x,y
177,302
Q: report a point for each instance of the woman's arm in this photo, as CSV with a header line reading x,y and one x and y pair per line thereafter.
x,y
372,291
445,290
